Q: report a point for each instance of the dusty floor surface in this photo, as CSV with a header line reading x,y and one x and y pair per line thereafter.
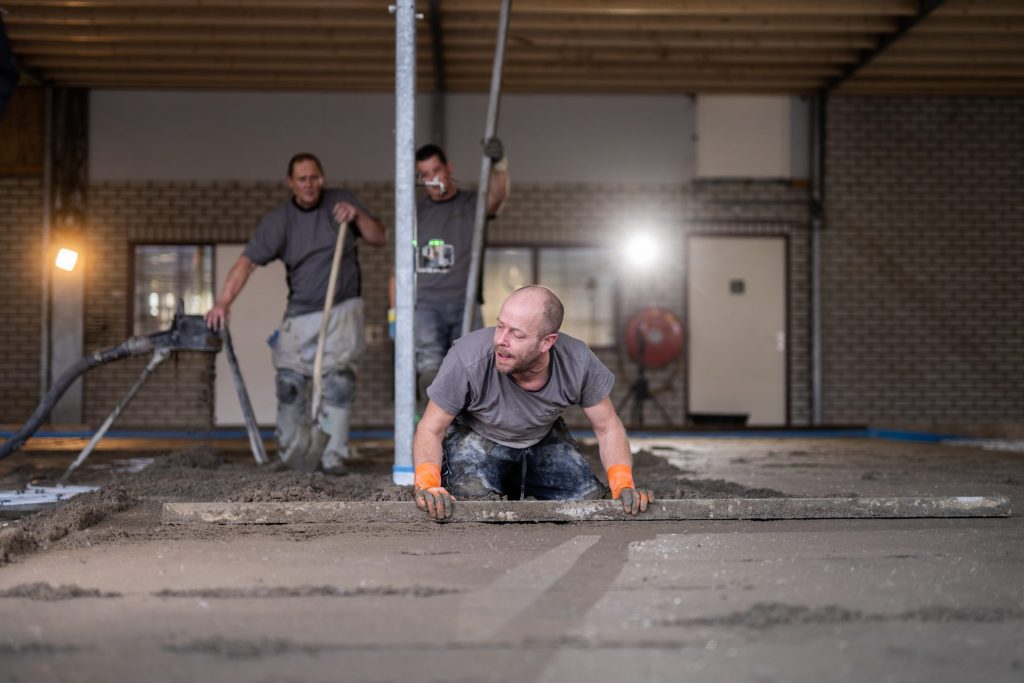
x,y
98,590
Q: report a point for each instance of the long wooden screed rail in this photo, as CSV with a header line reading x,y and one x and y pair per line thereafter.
x,y
322,512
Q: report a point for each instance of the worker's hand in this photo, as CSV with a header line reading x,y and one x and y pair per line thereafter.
x,y
494,149
436,501
217,317
344,212
635,500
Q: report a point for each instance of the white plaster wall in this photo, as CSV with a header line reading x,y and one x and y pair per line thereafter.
x,y
579,138
183,135
199,135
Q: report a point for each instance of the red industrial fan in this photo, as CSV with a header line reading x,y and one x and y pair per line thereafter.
x,y
654,339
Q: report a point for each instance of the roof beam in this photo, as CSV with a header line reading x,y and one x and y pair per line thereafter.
x,y
868,56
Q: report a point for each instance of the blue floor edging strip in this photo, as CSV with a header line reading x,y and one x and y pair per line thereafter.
x,y
382,434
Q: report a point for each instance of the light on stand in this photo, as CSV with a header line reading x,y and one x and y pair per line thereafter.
x,y
66,259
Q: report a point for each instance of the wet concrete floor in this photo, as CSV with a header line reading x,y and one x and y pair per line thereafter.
x,y
811,600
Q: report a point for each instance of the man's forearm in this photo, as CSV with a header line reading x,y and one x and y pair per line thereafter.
x,y
235,281
373,231
497,191
613,446
426,448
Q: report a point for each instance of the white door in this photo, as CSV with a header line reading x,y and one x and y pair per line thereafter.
x,y
736,301
255,315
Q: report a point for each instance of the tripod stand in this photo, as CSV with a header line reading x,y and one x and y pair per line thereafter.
x,y
639,390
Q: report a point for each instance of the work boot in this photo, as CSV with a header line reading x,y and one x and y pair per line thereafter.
x,y
298,446
334,420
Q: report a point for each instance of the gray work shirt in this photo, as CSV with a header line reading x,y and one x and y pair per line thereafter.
x,y
494,406
452,221
304,240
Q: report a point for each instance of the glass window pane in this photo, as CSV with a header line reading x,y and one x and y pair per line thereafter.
x,y
505,271
583,278
163,275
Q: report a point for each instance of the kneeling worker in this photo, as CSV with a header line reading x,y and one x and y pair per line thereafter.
x,y
494,416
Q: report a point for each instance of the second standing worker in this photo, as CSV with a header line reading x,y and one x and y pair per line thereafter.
x,y
448,214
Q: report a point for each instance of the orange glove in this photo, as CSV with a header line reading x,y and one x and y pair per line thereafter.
x,y
428,476
620,477
430,495
620,480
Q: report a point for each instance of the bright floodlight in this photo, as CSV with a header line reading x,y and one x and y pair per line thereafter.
x,y
66,259
641,250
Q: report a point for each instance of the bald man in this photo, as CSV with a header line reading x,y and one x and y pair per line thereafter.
x,y
493,429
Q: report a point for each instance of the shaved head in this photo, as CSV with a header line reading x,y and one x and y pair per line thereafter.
x,y
551,309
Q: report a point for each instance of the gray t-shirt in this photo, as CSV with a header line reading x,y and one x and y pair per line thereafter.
x,y
452,221
304,239
494,406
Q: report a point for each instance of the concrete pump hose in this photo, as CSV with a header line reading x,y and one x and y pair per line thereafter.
x,y
131,347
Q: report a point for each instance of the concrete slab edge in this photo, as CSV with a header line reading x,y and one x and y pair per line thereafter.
x,y
327,512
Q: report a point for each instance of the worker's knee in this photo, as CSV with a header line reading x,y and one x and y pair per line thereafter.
x,y
290,386
339,387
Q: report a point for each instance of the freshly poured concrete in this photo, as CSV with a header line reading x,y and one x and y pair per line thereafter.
x,y
799,600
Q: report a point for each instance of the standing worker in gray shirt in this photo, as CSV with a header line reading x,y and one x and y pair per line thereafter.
x,y
447,213
303,232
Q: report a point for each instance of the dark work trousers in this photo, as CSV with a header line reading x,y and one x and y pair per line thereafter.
x,y
551,469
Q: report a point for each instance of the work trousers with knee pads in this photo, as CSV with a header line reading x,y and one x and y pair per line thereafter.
x,y
552,469
294,353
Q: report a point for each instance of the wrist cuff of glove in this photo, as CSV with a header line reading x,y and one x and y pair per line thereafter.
x,y
428,476
620,477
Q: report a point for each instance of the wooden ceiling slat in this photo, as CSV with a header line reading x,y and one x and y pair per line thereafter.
x,y
717,24
960,42
944,71
938,86
616,7
485,21
206,32
698,7
981,8
381,67
950,57
523,40
306,51
960,25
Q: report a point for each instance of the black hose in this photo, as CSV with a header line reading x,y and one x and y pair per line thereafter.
x,y
135,346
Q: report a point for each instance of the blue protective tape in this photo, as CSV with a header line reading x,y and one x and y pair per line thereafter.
x,y
891,434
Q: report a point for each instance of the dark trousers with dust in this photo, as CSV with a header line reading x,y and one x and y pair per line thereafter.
x,y
551,469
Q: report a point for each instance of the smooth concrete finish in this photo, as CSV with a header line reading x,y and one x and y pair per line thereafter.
x,y
334,512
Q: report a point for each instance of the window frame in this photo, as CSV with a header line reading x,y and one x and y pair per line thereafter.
x,y
534,250
131,270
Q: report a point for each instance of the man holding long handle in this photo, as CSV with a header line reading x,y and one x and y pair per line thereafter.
x,y
303,233
446,213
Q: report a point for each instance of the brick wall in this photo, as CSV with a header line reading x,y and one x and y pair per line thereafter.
x,y
923,281
179,395
21,220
